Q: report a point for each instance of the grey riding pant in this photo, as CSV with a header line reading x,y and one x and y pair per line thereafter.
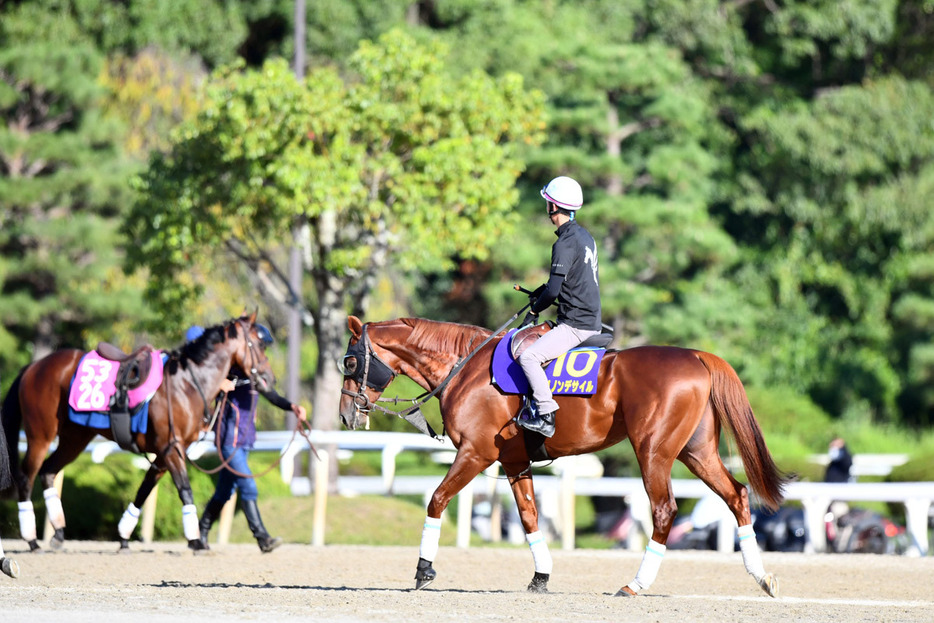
x,y
550,346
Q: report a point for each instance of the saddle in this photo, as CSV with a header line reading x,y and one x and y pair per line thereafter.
x,y
528,336
521,340
133,371
134,367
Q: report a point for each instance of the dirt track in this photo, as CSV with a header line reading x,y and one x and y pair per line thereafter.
x,y
89,582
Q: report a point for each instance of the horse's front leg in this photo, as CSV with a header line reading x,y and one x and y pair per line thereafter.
x,y
467,466
130,517
524,493
175,461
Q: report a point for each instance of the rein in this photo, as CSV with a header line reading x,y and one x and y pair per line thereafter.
x,y
413,413
300,427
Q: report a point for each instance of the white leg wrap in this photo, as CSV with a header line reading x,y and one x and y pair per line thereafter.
x,y
431,535
128,522
2,555
750,549
190,522
540,553
27,521
53,507
648,570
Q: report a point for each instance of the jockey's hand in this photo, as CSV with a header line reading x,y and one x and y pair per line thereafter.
x,y
299,412
533,296
529,319
228,386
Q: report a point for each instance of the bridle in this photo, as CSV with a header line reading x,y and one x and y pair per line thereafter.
x,y
252,370
412,414
384,374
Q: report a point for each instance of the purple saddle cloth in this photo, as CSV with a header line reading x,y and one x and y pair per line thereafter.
x,y
572,374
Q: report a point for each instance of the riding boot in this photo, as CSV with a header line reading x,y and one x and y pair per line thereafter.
x,y
543,423
211,512
251,512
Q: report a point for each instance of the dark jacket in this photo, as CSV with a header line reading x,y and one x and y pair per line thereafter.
x,y
238,422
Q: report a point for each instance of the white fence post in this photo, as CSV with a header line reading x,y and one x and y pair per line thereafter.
x,y
916,523
464,515
319,519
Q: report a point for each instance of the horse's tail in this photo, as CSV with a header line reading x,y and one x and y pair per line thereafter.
x,y
11,418
732,408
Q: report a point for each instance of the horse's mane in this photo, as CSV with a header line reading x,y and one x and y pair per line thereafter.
x,y
196,351
448,337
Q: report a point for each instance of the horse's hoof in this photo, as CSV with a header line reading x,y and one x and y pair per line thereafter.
x,y
769,584
124,547
34,546
57,542
197,545
9,567
625,592
539,583
424,574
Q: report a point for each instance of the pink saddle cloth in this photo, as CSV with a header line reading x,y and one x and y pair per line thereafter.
x,y
95,383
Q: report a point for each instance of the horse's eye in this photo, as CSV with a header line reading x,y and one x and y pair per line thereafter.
x,y
348,365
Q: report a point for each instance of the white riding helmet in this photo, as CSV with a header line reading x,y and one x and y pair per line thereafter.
x,y
564,193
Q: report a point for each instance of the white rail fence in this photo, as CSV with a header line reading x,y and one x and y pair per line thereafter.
x,y
574,476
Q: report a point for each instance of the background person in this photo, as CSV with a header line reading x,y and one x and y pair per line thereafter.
x,y
841,462
236,429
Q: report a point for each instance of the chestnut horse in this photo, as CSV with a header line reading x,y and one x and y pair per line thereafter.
x,y
179,413
670,402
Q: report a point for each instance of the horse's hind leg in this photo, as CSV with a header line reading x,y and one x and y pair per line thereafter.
x,y
72,440
703,459
524,493
130,517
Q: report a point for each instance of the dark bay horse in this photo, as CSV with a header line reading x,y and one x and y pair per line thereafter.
x,y
670,402
178,414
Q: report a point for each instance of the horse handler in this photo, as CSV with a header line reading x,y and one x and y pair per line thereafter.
x,y
236,430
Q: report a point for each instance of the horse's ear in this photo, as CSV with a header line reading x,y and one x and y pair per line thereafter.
x,y
252,316
355,326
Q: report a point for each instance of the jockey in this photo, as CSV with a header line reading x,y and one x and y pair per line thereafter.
x,y
574,282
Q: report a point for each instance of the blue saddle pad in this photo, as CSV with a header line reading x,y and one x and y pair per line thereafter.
x,y
573,373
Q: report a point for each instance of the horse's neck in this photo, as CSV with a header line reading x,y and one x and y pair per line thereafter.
x,y
430,366
213,370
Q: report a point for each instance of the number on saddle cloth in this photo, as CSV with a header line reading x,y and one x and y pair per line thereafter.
x,y
572,374
112,390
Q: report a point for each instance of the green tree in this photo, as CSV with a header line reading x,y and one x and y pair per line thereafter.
x,y
400,163
629,121
62,183
835,201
